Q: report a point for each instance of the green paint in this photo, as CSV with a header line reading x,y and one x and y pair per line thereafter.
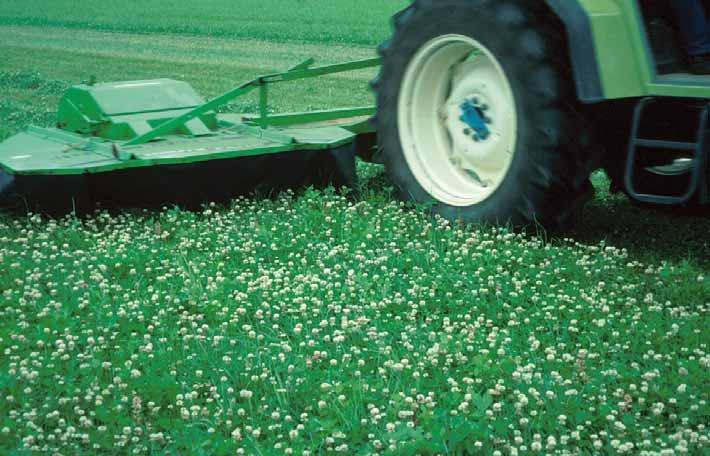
x,y
311,116
626,65
56,152
124,110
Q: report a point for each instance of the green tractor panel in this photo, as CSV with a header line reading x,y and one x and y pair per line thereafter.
x,y
493,111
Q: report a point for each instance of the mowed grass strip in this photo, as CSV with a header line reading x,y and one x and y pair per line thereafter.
x,y
362,22
312,323
40,63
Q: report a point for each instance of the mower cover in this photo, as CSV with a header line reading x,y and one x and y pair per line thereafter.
x,y
152,143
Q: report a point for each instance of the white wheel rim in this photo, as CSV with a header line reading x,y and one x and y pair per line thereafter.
x,y
446,74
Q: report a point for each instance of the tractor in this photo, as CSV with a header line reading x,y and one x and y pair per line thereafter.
x,y
500,110
493,111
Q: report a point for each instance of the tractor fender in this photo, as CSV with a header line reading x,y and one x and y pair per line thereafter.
x,y
585,65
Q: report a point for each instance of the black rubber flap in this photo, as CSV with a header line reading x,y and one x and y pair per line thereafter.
x,y
187,185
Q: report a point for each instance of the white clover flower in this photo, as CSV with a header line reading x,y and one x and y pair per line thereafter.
x,y
245,394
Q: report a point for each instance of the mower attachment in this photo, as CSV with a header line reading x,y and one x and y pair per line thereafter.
x,y
158,142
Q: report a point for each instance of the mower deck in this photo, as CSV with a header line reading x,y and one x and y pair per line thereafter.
x,y
56,172
157,142
51,151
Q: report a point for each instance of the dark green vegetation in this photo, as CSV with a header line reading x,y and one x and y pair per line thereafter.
x,y
312,322
315,21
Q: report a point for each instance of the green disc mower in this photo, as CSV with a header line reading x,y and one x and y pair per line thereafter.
x,y
490,111
157,142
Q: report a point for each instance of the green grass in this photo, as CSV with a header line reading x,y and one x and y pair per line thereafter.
x,y
361,22
312,323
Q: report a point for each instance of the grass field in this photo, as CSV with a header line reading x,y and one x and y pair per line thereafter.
x,y
312,323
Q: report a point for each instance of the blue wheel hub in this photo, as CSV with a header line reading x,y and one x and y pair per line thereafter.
x,y
473,114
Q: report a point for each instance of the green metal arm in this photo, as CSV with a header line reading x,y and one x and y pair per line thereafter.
x,y
301,71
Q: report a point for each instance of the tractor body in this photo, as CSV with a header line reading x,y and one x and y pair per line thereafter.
x,y
615,47
626,52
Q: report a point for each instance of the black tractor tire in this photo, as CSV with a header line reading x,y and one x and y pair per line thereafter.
x,y
549,177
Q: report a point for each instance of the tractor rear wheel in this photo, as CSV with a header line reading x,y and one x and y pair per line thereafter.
x,y
477,113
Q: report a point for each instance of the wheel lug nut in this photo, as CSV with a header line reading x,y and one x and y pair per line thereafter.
x,y
484,107
466,132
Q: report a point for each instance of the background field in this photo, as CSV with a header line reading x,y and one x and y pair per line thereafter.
x,y
282,324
